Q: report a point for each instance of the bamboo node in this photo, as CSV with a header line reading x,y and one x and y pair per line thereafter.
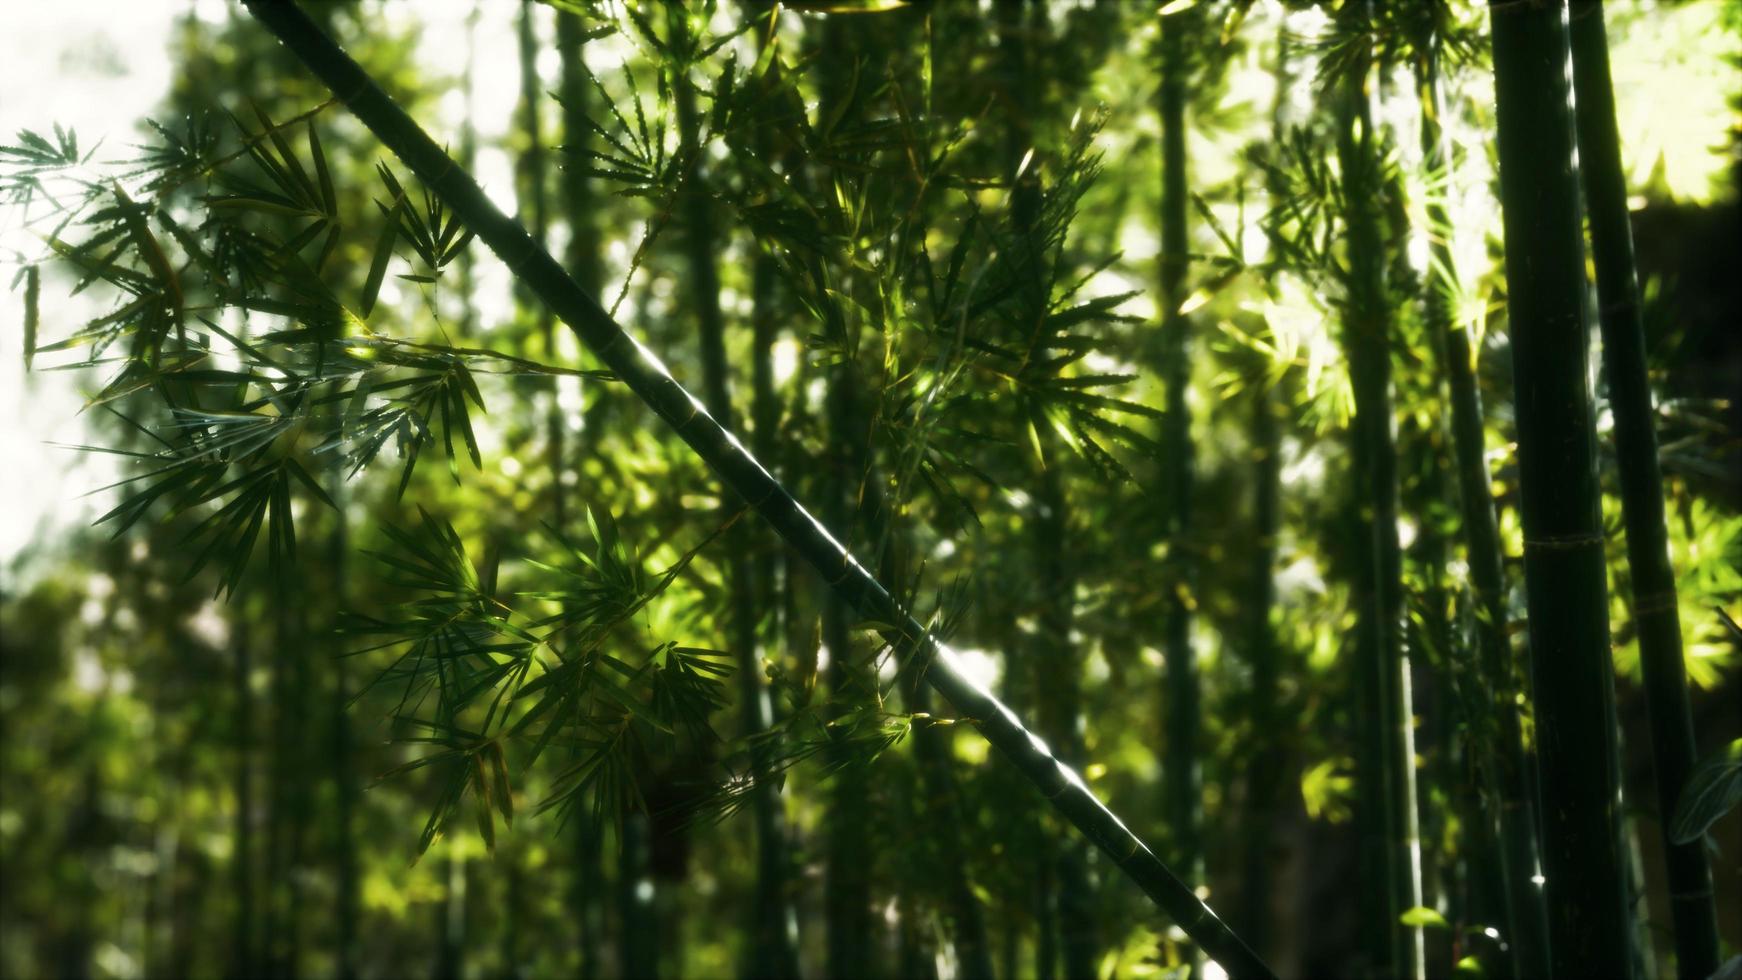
x,y
1565,542
1654,603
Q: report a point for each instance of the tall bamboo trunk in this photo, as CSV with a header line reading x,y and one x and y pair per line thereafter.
x,y
849,927
1060,708
342,745
1423,460
1565,587
450,925
1181,703
299,786
242,928
452,914
771,950
86,834
777,955
1020,24
1264,780
1500,759
1389,730
582,259
1376,901
1265,794
534,205
279,790
847,895
644,374
1653,607
942,808
638,939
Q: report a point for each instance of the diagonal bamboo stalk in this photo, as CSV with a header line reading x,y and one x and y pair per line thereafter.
x,y
641,370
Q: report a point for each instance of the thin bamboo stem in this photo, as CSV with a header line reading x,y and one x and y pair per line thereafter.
x,y
1183,710
1388,712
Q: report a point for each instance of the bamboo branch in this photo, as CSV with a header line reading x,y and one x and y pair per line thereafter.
x,y
642,371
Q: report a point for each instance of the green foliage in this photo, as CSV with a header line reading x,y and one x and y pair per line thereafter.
x,y
1713,790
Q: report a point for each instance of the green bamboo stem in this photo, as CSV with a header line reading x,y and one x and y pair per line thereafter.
x,y
1654,607
1367,330
932,750
342,745
244,948
849,927
1056,667
771,951
1183,804
581,258
1266,780
771,589
1564,571
535,204
1501,761
644,374
1264,784
639,942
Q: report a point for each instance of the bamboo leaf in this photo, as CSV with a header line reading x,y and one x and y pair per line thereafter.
x,y
1422,917
383,254
329,198
1713,789
32,314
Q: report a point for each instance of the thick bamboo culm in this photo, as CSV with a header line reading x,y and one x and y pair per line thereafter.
x,y
1566,591
1504,764
1655,616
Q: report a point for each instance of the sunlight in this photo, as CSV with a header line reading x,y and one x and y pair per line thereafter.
x,y
982,668
1674,77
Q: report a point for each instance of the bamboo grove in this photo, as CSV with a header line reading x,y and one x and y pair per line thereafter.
x,y
886,488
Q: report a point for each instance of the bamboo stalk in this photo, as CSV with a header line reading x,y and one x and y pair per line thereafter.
x,y
1654,606
1183,804
1389,712
581,258
243,942
1503,765
770,951
770,593
1565,587
850,503
1268,774
642,371
1056,669
1266,798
